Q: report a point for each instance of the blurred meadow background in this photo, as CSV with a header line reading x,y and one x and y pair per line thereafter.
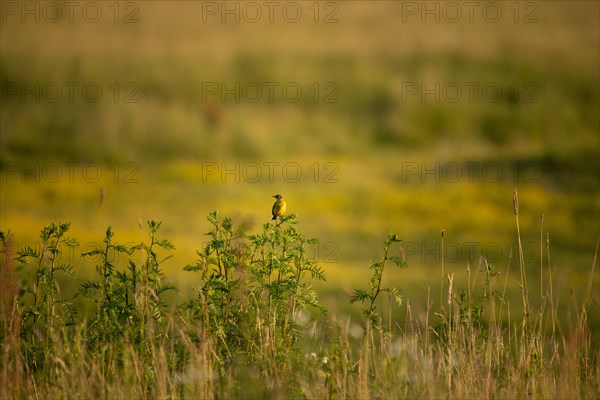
x,y
378,140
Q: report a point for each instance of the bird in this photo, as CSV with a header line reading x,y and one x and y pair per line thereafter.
x,y
278,207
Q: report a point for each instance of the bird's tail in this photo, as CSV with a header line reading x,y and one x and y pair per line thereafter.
x,y
274,218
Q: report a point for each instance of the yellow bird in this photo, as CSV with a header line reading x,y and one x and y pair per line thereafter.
x,y
278,207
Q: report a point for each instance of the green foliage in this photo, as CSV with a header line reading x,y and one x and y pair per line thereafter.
x,y
252,289
255,328
112,294
44,311
217,305
368,297
129,309
127,300
146,278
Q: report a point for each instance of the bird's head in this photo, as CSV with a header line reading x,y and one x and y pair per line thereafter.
x,y
278,196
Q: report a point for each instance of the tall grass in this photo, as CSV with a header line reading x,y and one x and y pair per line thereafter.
x,y
255,327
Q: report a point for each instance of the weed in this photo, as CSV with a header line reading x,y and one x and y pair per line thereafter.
x,y
256,328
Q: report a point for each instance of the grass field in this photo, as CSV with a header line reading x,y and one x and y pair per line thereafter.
x,y
371,118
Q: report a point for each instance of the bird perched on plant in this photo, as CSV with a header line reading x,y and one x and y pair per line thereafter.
x,y
278,207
